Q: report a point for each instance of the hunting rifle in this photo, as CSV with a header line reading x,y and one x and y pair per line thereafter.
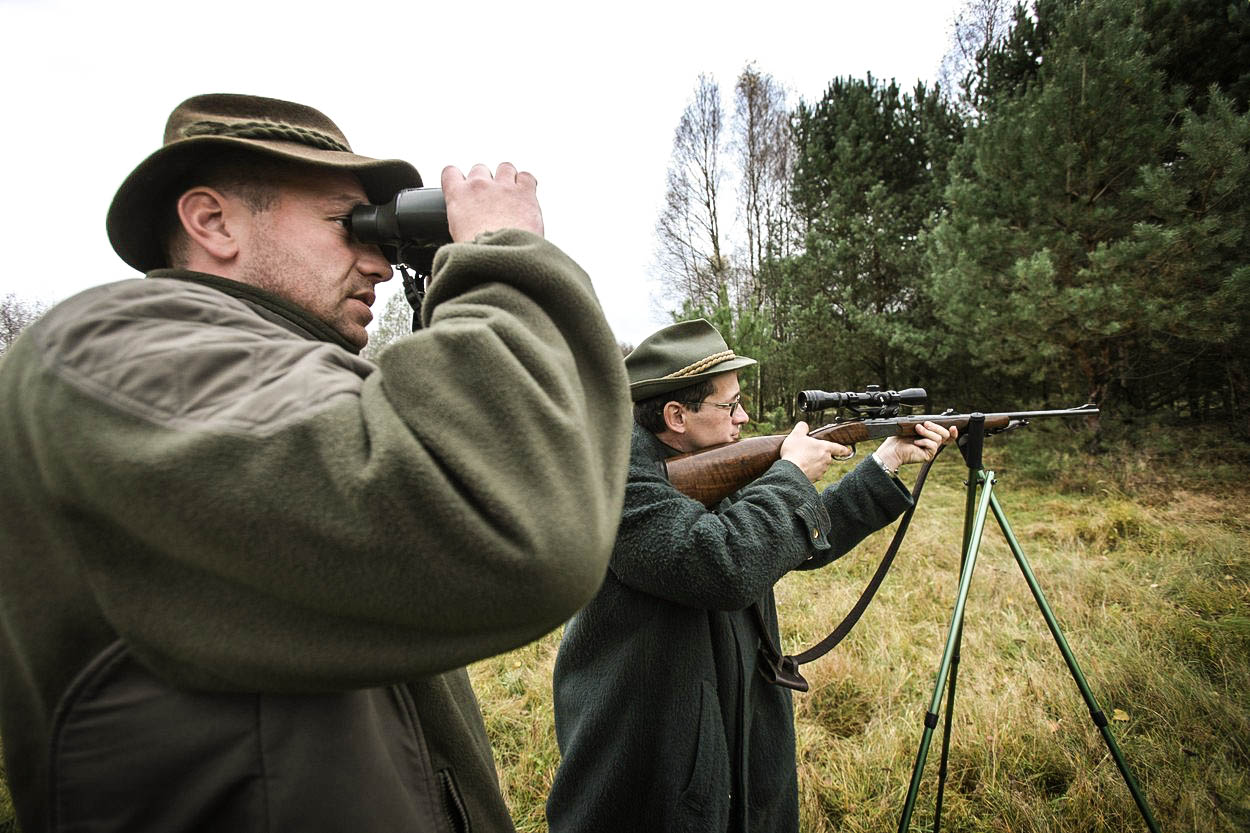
x,y
713,474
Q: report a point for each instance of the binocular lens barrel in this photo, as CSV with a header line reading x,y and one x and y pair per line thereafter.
x,y
415,217
819,400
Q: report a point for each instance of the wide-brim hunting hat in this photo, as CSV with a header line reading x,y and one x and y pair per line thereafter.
x,y
205,125
677,356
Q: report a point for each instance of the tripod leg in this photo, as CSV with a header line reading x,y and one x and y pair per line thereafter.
x,y
946,734
973,538
1100,719
970,508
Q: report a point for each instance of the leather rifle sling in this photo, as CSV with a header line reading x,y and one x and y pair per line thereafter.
x,y
784,670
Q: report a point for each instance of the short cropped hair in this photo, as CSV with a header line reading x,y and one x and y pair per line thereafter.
x,y
649,413
244,174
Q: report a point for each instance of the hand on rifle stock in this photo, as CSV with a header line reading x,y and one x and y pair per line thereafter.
x,y
811,455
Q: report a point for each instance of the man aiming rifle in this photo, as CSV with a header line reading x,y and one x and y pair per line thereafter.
x,y
663,717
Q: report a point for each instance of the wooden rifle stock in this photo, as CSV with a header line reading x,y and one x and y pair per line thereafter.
x,y
713,474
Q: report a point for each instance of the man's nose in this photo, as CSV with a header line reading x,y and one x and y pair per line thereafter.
x,y
373,264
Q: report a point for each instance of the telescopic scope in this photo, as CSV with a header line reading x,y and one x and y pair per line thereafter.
x,y
871,397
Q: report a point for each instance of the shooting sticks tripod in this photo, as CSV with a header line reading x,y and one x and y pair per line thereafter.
x,y
975,514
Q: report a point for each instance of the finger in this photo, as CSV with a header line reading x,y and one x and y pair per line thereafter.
x,y
451,175
840,450
528,180
800,427
506,172
479,171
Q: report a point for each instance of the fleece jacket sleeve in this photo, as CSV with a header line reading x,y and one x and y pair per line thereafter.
x,y
672,547
254,511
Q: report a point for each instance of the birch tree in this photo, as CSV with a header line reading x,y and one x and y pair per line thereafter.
x,y
690,254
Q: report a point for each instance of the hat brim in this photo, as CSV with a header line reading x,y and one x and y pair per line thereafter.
x,y
647,388
135,216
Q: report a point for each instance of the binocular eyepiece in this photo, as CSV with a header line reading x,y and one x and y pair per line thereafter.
x,y
871,397
408,228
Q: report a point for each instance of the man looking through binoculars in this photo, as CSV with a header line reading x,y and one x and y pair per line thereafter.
x,y
241,568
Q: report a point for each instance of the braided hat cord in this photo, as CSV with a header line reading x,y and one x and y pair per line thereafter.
x,y
267,130
701,365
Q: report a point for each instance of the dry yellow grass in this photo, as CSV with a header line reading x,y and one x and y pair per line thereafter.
x,y
1143,558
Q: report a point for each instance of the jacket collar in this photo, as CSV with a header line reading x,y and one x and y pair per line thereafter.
x,y
273,307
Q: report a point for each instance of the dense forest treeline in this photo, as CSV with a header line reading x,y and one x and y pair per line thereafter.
x,y
1064,218
1069,222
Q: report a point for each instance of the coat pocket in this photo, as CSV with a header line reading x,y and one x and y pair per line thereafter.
x,y
704,803
453,805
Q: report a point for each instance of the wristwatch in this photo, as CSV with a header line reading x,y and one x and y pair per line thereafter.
x,y
884,467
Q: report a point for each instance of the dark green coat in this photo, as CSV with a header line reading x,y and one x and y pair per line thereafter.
x,y
663,721
242,569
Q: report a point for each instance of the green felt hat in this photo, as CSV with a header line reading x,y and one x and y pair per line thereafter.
x,y
207,124
677,356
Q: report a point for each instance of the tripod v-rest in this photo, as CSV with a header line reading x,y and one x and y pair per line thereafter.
x,y
976,511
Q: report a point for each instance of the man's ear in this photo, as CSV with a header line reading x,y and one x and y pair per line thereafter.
x,y
207,218
675,417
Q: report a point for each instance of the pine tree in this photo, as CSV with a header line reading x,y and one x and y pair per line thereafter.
x,y
1197,43
1192,247
870,167
1093,246
1045,186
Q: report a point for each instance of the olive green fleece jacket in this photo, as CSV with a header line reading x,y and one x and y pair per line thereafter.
x,y
242,568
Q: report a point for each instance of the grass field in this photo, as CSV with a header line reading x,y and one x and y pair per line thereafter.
x,y
1142,552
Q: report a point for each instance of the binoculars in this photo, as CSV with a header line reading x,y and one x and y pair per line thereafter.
x,y
409,228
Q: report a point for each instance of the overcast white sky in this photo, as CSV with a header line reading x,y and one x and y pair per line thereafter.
x,y
584,95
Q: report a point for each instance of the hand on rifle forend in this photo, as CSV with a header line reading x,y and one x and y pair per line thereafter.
x,y
811,455
900,451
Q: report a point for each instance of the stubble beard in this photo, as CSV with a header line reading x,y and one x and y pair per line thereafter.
x,y
274,269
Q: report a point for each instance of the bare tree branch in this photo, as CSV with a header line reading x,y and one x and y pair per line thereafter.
x,y
16,314
689,251
978,26
764,154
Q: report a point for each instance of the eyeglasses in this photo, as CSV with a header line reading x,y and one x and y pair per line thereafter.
x,y
732,406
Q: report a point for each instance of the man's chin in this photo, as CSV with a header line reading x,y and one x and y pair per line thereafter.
x,y
354,327
354,334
